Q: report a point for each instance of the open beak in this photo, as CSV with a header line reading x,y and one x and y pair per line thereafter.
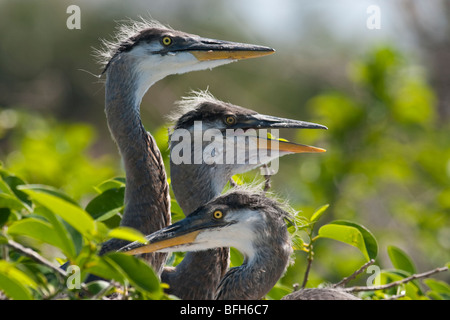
x,y
210,49
259,121
286,146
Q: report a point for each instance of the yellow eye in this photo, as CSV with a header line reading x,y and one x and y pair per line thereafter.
x,y
218,214
167,41
230,120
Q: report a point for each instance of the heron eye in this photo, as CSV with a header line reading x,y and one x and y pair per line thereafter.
x,y
167,41
230,120
218,214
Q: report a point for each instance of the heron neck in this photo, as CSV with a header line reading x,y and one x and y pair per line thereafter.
x,y
147,202
195,184
256,277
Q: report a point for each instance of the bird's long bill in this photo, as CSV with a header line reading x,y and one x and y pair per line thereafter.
x,y
158,244
286,146
180,234
209,49
265,121
259,121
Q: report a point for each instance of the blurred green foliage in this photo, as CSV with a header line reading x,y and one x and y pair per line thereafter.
x,y
388,156
54,153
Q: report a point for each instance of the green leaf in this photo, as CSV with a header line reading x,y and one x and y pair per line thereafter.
x,y
11,202
353,234
15,283
114,183
37,229
127,233
72,214
4,187
272,137
69,237
437,285
400,260
278,291
346,234
4,216
236,258
298,243
369,239
48,189
176,212
412,288
106,204
435,295
319,212
439,289
95,287
13,182
14,289
139,273
104,268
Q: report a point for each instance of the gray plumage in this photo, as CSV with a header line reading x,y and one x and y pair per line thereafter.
x,y
320,294
147,202
252,223
199,274
272,246
141,54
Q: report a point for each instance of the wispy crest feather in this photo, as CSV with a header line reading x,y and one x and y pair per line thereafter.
x,y
257,187
125,30
190,102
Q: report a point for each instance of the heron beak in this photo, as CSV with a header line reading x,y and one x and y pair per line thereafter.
x,y
263,121
180,234
209,49
155,244
228,55
259,121
286,146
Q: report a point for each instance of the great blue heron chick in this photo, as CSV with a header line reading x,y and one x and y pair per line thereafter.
x,y
231,142
248,221
196,181
253,224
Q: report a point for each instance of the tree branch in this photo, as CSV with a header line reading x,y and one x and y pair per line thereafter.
x,y
38,258
396,283
346,280
35,256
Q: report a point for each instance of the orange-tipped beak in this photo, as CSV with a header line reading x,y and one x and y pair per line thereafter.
x,y
286,146
231,55
138,248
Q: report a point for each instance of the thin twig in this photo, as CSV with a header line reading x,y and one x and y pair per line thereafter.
x,y
346,280
37,257
308,266
267,176
396,283
267,184
233,183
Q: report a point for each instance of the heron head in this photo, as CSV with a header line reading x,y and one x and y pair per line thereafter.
x,y
154,51
233,138
247,221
